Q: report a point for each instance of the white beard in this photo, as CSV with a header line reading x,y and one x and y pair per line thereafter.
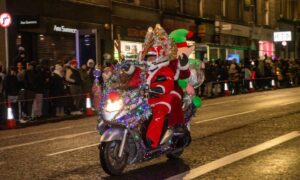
x,y
151,66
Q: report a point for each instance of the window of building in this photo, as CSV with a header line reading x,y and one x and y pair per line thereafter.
x,y
201,8
223,7
267,12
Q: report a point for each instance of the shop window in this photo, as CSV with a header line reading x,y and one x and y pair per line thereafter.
x,y
56,48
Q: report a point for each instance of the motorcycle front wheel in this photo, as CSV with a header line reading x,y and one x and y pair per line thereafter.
x,y
111,163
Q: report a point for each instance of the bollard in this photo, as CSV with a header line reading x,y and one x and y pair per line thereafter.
x,y
251,87
89,111
226,89
11,122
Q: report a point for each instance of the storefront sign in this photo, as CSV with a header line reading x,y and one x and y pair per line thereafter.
x,y
282,36
5,20
28,22
235,30
64,29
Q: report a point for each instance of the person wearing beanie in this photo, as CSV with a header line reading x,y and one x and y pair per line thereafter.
x,y
57,90
180,67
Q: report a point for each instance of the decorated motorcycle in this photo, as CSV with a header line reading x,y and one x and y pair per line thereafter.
x,y
125,114
123,123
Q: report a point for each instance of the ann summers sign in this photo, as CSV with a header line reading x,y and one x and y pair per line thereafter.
x,y
64,29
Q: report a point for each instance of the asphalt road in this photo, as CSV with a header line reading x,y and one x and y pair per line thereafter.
x,y
252,136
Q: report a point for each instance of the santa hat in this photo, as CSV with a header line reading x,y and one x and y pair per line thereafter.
x,y
179,36
151,52
155,51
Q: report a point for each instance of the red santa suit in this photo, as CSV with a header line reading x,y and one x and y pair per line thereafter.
x,y
176,115
162,78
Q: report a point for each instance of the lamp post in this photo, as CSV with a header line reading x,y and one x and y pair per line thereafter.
x,y
5,22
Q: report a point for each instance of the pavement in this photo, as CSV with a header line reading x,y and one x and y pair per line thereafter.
x,y
251,136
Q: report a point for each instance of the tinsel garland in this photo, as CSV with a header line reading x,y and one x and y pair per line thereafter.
x,y
131,98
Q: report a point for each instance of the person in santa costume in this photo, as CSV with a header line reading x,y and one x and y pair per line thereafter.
x,y
160,79
180,67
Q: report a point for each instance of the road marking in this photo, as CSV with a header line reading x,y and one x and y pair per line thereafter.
x,y
74,149
45,140
224,102
32,133
284,104
194,173
221,117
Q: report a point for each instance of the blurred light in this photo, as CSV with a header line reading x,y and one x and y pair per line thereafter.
x,y
284,43
19,37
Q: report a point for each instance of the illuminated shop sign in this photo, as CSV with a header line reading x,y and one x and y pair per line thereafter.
x,y
64,29
282,36
28,22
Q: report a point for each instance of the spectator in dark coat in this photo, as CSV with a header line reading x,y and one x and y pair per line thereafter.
x,y
56,87
11,88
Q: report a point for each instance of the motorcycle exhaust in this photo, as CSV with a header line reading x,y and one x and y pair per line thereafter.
x,y
167,136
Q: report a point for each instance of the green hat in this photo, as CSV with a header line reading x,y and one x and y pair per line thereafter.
x,y
179,36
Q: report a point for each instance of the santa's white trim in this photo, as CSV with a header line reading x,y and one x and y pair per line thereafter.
x,y
176,94
163,103
176,77
184,67
163,88
162,64
151,74
131,69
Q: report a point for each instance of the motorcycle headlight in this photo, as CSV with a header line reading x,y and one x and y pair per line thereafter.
x,y
114,102
116,105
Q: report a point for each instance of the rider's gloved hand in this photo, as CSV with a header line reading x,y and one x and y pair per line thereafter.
x,y
126,66
183,60
155,92
160,79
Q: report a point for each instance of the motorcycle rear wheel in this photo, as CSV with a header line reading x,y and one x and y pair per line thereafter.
x,y
110,162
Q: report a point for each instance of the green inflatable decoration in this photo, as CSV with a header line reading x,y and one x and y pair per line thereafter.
x,y
197,101
183,83
194,62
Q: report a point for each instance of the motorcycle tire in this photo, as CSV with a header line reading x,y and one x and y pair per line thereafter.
x,y
174,155
110,162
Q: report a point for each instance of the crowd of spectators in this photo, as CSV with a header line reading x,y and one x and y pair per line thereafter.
x,y
38,90
285,73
